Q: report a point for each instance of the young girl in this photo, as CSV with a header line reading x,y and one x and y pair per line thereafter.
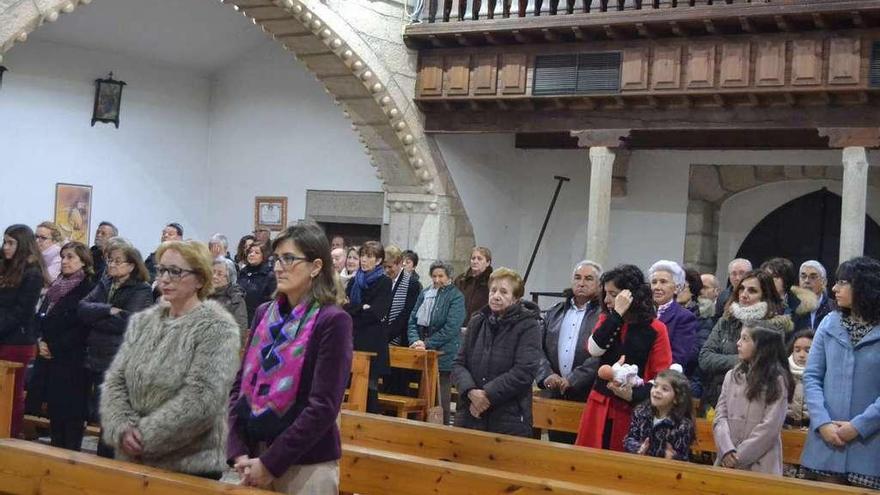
x,y
753,403
664,427
798,415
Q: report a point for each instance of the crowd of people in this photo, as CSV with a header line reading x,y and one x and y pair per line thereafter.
x,y
197,360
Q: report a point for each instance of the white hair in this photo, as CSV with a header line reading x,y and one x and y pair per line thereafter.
x,y
673,268
739,260
231,272
584,263
817,266
220,239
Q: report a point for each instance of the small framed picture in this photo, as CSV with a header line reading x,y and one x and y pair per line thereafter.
x,y
73,211
270,212
108,98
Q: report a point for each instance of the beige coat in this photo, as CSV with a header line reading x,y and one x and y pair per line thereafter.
x,y
751,428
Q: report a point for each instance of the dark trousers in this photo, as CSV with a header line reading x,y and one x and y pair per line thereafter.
x,y
562,436
66,433
23,354
96,378
373,396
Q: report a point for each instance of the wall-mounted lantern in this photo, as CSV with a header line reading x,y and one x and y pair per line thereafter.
x,y
108,98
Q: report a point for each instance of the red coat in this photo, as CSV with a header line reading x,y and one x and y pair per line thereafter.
x,y
646,345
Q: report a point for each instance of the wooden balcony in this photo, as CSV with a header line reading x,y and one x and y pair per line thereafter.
x,y
450,23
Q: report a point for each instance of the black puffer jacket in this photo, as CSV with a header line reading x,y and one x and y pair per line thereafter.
x,y
259,284
500,356
106,331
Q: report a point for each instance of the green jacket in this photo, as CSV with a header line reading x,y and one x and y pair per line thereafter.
x,y
444,332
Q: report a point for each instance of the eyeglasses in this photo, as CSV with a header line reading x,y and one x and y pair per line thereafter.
x,y
175,273
287,260
112,262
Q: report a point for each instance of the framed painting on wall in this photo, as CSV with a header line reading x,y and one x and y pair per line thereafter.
x,y
73,211
270,212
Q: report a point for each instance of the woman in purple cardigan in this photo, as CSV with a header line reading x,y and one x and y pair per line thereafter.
x,y
667,280
284,402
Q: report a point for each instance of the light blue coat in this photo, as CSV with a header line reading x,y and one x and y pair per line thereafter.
x,y
842,383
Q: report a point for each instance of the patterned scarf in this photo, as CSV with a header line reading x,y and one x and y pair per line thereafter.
x,y
362,282
856,329
664,308
275,357
62,286
399,300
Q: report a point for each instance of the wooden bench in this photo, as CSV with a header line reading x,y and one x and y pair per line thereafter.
x,y
563,415
28,468
7,395
356,394
600,468
424,361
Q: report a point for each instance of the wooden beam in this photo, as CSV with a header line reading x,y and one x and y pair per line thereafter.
x,y
842,137
781,23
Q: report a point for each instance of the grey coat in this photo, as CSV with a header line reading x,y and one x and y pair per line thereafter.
x,y
500,356
171,380
584,367
232,297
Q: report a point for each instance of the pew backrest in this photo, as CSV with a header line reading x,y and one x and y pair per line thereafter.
x,y
356,399
7,394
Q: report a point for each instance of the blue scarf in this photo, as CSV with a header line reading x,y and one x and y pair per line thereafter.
x,y
362,282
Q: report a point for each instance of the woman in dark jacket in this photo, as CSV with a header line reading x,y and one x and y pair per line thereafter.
x,y
369,299
497,364
21,279
228,293
294,445
257,279
474,283
62,346
122,292
435,324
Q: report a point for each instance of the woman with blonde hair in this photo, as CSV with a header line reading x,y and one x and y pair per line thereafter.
x,y
49,240
163,402
474,283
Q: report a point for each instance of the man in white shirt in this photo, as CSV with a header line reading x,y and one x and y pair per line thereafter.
x,y
567,370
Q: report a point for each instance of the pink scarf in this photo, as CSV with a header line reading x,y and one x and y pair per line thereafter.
x,y
275,357
62,286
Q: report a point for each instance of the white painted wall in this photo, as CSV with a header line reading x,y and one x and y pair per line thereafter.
x,y
144,174
275,132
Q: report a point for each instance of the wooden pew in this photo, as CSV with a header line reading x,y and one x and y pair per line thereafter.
x,y
356,395
371,471
424,361
562,415
28,468
7,395
604,469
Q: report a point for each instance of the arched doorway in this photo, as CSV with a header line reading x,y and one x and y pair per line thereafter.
x,y
802,229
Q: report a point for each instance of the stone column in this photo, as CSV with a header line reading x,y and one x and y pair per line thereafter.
x,y
604,147
599,211
852,218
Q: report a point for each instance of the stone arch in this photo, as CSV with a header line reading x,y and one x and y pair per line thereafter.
x,y
411,169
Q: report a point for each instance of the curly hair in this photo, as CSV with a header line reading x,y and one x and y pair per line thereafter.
x,y
769,362
768,293
631,278
681,387
863,276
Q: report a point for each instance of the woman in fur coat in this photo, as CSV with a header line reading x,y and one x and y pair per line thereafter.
x,y
163,401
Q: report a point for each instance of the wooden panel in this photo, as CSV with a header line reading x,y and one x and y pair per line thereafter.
x,y
700,69
603,468
513,73
806,62
770,64
431,76
634,70
666,67
735,62
844,61
485,74
7,393
792,440
458,75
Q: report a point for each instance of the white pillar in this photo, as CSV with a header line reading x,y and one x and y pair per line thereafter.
x,y
599,212
852,218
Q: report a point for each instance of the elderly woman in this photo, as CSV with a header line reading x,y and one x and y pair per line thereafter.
x,y
497,364
124,290
797,302
49,240
754,299
627,330
840,382
62,346
474,283
369,299
435,324
21,278
283,433
228,293
667,280
257,279
163,402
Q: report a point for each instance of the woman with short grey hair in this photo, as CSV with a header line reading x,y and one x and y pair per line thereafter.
x,y
219,245
435,324
228,293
